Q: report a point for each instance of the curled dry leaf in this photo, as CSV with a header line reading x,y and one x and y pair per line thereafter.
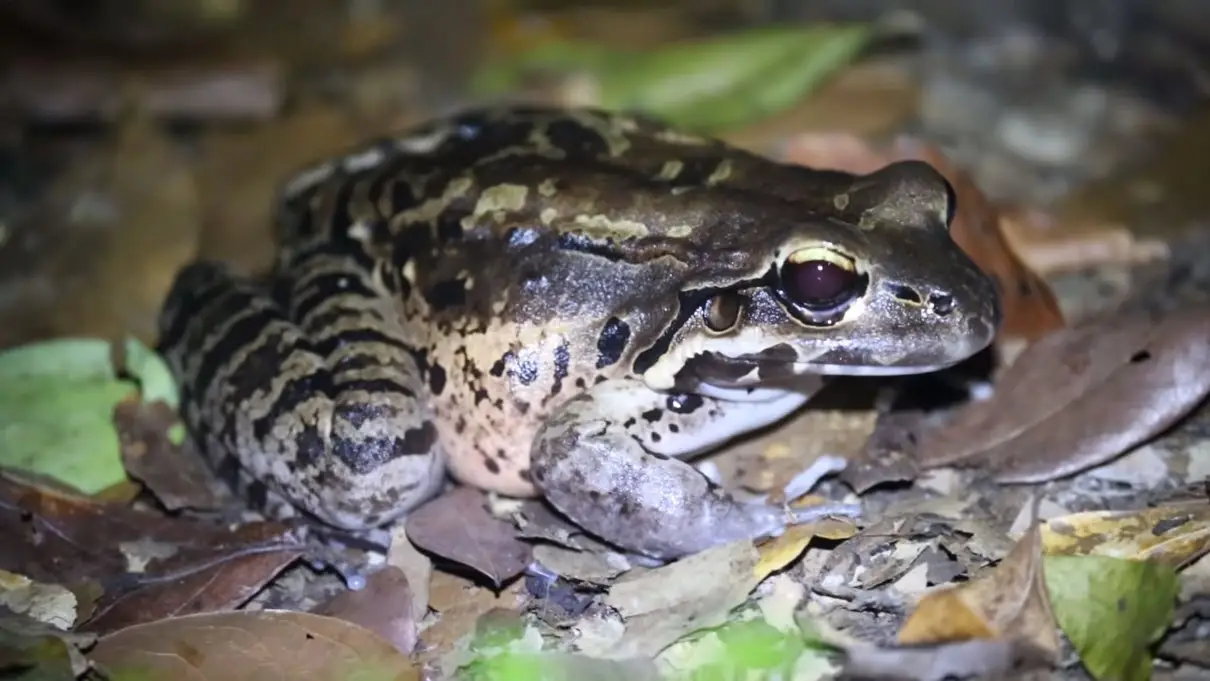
x,y
1081,396
384,607
1030,307
175,474
234,646
146,566
458,526
661,605
1173,534
1009,602
416,567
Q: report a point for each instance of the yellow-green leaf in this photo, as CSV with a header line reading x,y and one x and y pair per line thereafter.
x,y
56,409
1113,610
702,85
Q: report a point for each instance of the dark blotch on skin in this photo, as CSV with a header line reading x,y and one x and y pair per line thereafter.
x,y
449,225
258,494
497,369
490,464
446,294
420,440
576,139
436,379
612,342
562,361
653,415
684,404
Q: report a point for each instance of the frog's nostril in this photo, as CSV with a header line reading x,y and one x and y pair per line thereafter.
x,y
905,293
941,303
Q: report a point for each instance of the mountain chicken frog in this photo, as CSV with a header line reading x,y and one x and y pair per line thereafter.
x,y
564,303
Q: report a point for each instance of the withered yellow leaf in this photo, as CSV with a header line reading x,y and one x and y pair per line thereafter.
x,y
1007,602
1173,534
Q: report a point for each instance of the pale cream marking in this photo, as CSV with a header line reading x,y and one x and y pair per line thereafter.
x,y
424,142
677,137
603,225
496,200
547,188
680,231
720,174
749,340
614,137
670,170
360,231
548,215
430,209
363,160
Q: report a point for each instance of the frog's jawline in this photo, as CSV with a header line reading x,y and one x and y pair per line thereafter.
x,y
731,372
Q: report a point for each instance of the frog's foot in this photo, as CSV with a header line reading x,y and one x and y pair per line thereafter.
x,y
605,461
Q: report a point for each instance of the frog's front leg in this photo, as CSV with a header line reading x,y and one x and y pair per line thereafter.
x,y
605,461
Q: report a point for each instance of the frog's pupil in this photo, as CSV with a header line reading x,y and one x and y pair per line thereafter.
x,y
818,282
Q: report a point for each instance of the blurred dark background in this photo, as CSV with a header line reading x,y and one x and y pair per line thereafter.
x,y
137,134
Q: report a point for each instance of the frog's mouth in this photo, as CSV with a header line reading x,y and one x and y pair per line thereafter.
x,y
777,368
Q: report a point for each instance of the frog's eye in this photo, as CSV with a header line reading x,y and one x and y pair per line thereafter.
x,y
722,312
820,279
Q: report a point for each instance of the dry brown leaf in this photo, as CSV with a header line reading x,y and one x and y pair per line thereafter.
x,y
768,462
1173,534
383,607
145,565
457,526
661,605
459,605
33,651
1081,397
234,646
175,474
1030,307
416,567
1009,602
784,549
889,453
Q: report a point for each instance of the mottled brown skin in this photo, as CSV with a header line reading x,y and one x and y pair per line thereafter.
x,y
597,291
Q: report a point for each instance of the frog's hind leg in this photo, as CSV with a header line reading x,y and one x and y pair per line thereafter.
x,y
605,460
311,391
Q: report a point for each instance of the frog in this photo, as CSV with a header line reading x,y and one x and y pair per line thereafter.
x,y
563,303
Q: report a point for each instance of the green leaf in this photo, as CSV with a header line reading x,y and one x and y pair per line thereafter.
x,y
1113,610
152,373
756,644
729,81
702,85
56,412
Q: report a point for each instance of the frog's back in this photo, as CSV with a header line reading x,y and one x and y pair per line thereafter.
x,y
496,210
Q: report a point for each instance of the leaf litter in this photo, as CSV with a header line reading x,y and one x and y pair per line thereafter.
x,y
930,558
